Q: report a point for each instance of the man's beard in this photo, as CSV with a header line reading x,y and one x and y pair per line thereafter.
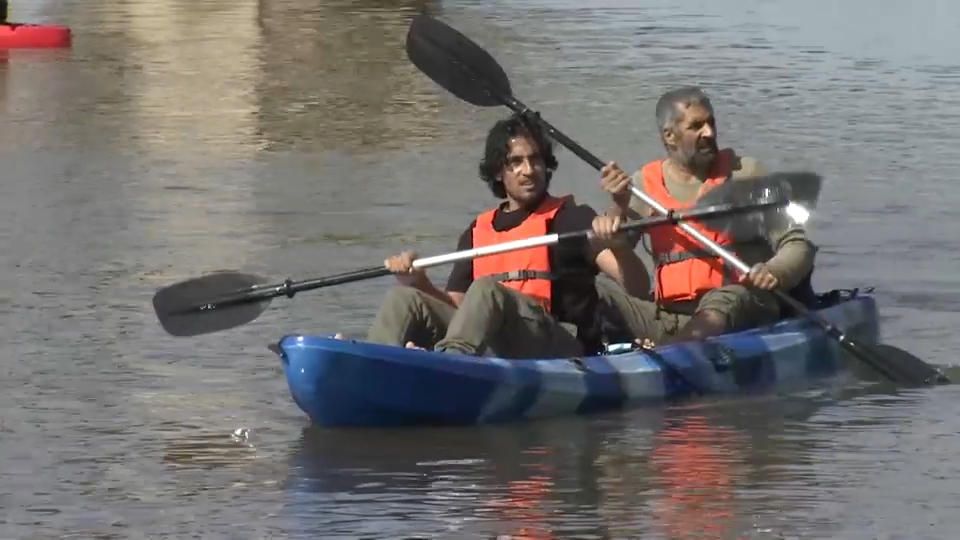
x,y
699,159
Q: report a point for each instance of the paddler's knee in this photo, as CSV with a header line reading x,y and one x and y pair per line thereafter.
x,y
703,324
486,285
485,288
740,307
402,297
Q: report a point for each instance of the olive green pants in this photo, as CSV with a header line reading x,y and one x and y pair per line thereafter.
x,y
493,320
743,307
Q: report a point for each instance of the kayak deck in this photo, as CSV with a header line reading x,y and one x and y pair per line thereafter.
x,y
355,383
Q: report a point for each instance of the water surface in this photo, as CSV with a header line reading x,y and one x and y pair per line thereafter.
x,y
294,138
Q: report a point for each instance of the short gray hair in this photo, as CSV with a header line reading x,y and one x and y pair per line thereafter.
x,y
670,103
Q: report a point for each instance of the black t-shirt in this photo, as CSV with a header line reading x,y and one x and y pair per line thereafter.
x,y
575,297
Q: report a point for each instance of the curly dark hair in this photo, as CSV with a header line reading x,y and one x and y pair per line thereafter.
x,y
497,149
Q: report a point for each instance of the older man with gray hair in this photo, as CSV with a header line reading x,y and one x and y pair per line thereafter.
x,y
694,295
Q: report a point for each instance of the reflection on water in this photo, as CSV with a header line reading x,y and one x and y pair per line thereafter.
x,y
182,98
523,506
336,76
695,465
679,473
526,482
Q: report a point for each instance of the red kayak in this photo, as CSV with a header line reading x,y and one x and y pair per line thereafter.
x,y
34,36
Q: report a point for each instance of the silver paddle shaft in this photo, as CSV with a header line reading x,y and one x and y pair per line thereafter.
x,y
713,246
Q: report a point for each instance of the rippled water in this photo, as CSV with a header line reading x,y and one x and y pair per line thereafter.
x,y
293,138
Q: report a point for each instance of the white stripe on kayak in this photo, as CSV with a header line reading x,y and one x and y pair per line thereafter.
x,y
789,354
562,388
640,377
505,392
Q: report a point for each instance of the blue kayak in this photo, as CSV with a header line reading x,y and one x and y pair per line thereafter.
x,y
355,383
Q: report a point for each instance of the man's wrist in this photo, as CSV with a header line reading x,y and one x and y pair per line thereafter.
x,y
616,210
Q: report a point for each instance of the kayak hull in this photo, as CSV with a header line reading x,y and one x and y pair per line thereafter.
x,y
339,383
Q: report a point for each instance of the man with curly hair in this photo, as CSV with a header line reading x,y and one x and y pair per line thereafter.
x,y
540,302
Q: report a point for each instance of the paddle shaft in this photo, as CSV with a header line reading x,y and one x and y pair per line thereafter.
x,y
550,239
289,288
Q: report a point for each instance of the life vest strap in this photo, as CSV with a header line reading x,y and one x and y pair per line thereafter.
x,y
523,275
679,256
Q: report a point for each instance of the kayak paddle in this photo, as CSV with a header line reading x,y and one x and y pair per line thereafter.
x,y
225,299
469,72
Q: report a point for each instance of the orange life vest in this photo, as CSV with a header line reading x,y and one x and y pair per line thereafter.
x,y
526,270
684,268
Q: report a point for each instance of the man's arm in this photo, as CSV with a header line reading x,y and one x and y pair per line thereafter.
x,y
461,275
637,208
794,253
617,260
450,297
793,258
624,266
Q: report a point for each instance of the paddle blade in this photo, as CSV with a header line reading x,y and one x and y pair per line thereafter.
x,y
772,188
908,368
456,63
175,304
801,187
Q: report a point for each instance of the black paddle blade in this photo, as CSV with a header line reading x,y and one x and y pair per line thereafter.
x,y
907,368
178,305
456,63
772,188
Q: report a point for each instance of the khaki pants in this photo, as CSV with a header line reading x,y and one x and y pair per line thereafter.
x,y
493,320
743,307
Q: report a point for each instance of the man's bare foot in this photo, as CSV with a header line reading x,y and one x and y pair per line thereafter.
x,y
412,345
